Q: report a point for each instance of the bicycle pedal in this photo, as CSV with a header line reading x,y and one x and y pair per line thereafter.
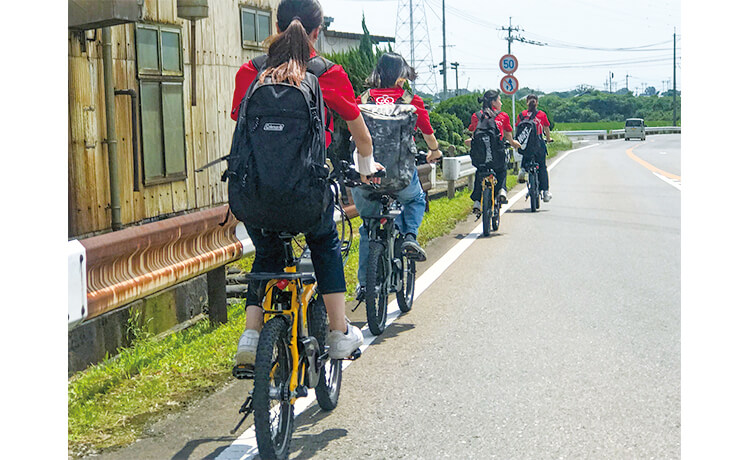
x,y
355,355
243,371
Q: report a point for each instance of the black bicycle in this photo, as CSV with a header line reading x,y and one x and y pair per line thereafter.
x,y
533,190
388,268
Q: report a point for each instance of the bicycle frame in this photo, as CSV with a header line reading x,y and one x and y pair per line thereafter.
x,y
383,228
489,181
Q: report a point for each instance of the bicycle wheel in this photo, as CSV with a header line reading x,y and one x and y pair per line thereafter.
x,y
274,414
534,191
376,289
496,215
405,296
329,384
486,210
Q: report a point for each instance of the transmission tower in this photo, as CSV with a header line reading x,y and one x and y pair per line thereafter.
x,y
413,43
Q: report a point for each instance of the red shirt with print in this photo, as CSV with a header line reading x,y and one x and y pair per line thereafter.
x,y
502,120
390,95
541,120
337,90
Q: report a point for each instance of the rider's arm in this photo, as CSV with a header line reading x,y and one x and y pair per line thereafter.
x,y
508,135
434,147
547,133
428,133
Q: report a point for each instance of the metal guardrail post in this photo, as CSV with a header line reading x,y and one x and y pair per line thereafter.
x,y
217,295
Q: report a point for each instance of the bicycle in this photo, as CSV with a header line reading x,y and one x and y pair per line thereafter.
x,y
292,354
388,268
490,204
532,184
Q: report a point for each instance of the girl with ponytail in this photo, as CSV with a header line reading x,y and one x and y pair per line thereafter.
x,y
491,117
542,130
298,25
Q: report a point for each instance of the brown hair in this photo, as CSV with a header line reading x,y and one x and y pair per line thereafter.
x,y
291,49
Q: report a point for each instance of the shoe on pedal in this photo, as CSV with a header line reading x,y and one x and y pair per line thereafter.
x,y
477,209
247,347
546,196
359,293
503,196
412,249
341,346
521,176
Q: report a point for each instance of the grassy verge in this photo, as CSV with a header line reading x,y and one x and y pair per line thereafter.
x,y
111,403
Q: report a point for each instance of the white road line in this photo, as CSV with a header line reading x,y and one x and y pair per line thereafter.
x,y
672,182
245,446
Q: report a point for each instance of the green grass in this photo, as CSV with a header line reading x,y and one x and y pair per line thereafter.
x,y
608,125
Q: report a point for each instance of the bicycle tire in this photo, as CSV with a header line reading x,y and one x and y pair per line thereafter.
x,y
496,216
405,295
486,211
329,385
534,192
273,365
376,289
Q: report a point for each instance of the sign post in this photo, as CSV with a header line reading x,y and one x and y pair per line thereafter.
x,y
509,86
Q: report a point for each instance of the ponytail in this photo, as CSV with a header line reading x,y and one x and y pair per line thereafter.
x,y
291,49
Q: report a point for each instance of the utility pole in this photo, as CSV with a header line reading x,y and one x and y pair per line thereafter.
x,y
454,66
445,57
411,30
626,82
674,78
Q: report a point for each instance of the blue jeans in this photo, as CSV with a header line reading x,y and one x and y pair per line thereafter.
x,y
325,252
413,204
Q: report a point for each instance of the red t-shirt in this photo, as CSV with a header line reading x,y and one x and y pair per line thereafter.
x,y
541,120
337,90
390,95
502,120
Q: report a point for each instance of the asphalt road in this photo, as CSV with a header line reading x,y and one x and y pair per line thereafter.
x,y
556,337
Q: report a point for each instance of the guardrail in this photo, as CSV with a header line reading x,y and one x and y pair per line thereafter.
x,y
603,134
455,168
109,271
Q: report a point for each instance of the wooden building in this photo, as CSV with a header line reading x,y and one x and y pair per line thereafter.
x,y
169,135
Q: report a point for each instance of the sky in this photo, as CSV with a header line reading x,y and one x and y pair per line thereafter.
x,y
580,36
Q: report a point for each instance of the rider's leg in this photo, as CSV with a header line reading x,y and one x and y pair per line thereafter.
x,y
413,203
269,256
365,207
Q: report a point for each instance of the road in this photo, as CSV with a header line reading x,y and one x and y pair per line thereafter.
x,y
556,337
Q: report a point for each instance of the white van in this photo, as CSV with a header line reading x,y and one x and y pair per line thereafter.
x,y
635,128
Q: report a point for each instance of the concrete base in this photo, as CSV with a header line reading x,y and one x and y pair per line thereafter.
x,y
90,342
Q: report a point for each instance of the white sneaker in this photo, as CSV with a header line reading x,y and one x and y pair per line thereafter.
x,y
546,196
521,176
343,345
477,207
503,196
247,347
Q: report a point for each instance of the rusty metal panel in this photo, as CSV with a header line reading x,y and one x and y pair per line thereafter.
x,y
130,264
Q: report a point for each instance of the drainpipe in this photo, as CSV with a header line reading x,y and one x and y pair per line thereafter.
x,y
109,104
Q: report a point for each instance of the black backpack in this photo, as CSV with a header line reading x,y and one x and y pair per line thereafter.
x,y
278,179
526,135
486,147
391,127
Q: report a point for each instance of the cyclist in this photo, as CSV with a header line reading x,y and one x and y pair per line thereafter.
x,y
542,128
386,87
491,106
298,26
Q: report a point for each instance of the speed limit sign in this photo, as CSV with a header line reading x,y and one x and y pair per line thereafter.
x,y
508,64
509,84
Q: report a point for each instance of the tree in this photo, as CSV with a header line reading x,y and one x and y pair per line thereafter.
x,y
650,91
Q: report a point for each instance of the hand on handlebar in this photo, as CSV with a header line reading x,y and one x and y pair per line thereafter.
x,y
434,156
374,178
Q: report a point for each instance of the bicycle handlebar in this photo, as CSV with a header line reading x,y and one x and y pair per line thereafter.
x,y
351,177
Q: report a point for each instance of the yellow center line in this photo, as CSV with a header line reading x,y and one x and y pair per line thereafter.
x,y
651,167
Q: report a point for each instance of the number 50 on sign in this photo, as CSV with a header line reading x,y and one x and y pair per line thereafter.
x,y
508,64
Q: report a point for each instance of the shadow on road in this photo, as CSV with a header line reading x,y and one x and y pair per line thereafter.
x,y
189,448
306,445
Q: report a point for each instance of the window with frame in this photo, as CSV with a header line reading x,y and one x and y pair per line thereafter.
x,y
256,26
161,75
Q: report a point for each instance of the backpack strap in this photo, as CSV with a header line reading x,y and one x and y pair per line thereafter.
x,y
319,65
406,98
365,97
259,63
